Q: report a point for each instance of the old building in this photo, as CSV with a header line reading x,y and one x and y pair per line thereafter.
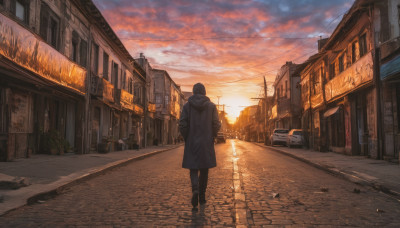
x,y
116,87
338,90
150,100
287,97
168,99
387,40
42,81
49,52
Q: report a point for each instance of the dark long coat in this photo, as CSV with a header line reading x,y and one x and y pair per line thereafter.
x,y
199,125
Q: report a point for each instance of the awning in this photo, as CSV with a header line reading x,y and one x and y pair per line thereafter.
x,y
331,111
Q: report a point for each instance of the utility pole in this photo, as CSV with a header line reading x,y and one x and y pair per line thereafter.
x,y
218,102
265,111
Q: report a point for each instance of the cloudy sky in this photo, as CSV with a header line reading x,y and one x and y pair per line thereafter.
x,y
229,45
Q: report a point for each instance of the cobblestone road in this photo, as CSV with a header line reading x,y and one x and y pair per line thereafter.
x,y
156,192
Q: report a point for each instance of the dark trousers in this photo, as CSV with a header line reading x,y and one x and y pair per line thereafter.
x,y
199,183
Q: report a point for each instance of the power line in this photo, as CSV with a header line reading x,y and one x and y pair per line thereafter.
x,y
219,38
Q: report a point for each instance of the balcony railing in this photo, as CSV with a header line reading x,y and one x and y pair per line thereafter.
x,y
102,88
24,48
125,99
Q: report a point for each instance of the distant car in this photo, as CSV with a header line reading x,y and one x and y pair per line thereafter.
x,y
279,136
220,138
295,138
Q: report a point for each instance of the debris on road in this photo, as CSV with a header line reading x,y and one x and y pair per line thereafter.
x,y
275,195
380,210
324,189
356,190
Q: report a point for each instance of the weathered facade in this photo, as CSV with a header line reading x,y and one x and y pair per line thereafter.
x,y
287,98
168,100
67,82
387,40
43,90
339,93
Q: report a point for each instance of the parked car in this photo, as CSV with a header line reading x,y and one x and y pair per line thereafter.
x,y
295,138
279,136
220,138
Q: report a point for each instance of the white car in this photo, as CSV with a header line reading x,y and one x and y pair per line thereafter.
x,y
279,136
295,138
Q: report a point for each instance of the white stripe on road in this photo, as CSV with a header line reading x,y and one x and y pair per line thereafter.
x,y
239,197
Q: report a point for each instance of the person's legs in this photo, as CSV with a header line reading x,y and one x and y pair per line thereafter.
x,y
194,178
203,185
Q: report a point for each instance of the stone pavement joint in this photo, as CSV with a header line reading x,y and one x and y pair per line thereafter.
x,y
334,164
36,192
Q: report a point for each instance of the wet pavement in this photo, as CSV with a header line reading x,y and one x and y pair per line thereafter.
x,y
251,186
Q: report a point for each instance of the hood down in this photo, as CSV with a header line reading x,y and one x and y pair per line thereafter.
x,y
199,102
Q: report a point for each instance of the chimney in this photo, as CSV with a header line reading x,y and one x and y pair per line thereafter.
x,y
321,43
141,55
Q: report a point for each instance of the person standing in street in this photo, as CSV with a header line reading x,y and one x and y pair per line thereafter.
x,y
199,125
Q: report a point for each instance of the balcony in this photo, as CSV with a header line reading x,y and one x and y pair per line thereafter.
x,y
283,107
360,73
389,47
24,48
125,99
101,88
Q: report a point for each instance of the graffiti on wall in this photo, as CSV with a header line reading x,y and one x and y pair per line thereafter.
x,y
356,75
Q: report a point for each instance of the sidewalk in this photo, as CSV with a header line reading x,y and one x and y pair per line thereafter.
x,y
381,175
48,174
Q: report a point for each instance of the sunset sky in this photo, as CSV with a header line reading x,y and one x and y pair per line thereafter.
x,y
229,45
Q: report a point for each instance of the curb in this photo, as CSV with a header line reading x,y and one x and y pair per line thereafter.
x,y
57,190
337,172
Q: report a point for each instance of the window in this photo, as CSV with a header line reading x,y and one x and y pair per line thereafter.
x,y
281,91
75,43
114,77
49,26
363,45
398,14
130,85
341,63
83,53
1,3
95,58
105,66
158,99
332,72
20,9
166,100
353,52
398,106
286,88
79,44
